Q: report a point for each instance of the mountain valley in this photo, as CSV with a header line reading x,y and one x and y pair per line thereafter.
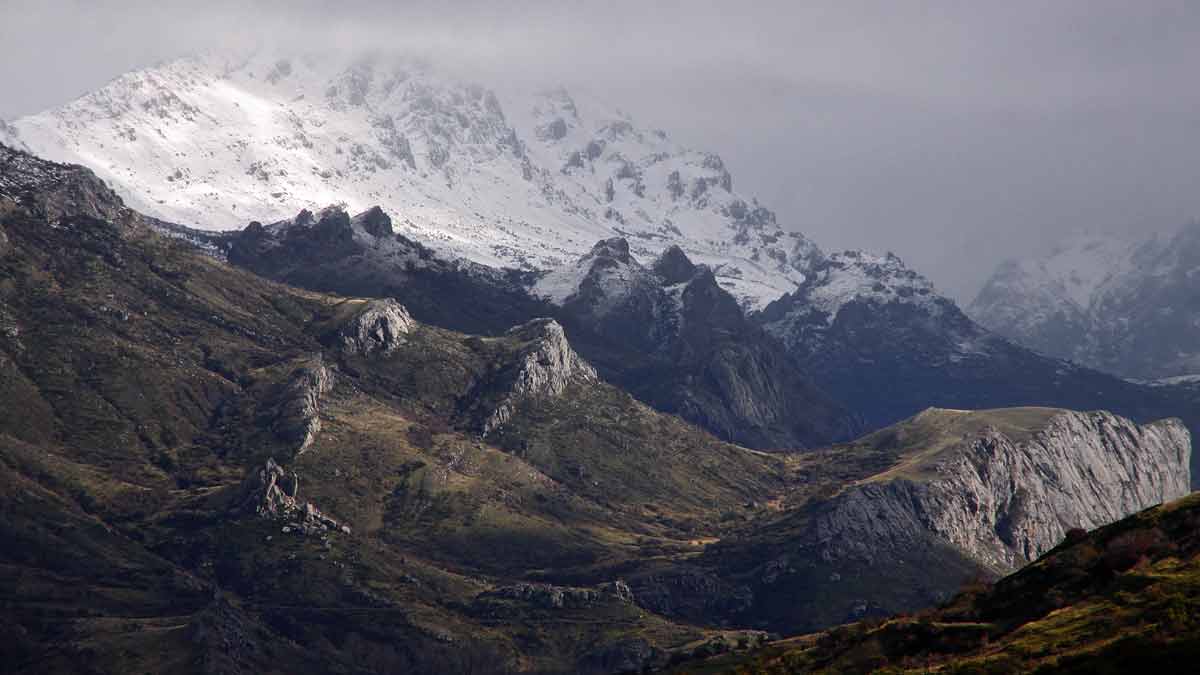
x,y
346,364
242,476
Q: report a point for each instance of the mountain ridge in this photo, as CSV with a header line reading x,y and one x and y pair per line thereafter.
x,y
678,342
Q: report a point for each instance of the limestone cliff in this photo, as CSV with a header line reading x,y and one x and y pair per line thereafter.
x,y
545,365
1004,496
951,495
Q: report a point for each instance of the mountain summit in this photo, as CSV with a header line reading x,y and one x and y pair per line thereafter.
x,y
507,179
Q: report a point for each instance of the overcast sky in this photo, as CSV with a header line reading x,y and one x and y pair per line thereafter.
x,y
953,133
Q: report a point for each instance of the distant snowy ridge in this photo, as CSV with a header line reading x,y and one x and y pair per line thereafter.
x,y
505,179
857,275
1067,281
1123,305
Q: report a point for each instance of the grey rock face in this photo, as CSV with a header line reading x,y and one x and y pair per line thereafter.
x,y
674,185
554,130
378,329
298,416
273,492
960,493
10,330
544,367
1005,501
8,134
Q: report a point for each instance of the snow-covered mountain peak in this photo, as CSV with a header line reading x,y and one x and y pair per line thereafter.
x,y
503,178
856,275
605,275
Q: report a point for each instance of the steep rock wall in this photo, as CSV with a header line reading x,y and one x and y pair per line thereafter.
x,y
1004,501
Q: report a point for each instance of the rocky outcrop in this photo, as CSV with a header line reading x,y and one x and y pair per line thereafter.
x,y
670,333
273,492
359,256
378,329
10,330
548,596
55,191
1003,501
297,417
945,496
544,366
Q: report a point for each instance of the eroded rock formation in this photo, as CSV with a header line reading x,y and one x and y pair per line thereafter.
x,y
378,329
274,492
298,417
545,365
